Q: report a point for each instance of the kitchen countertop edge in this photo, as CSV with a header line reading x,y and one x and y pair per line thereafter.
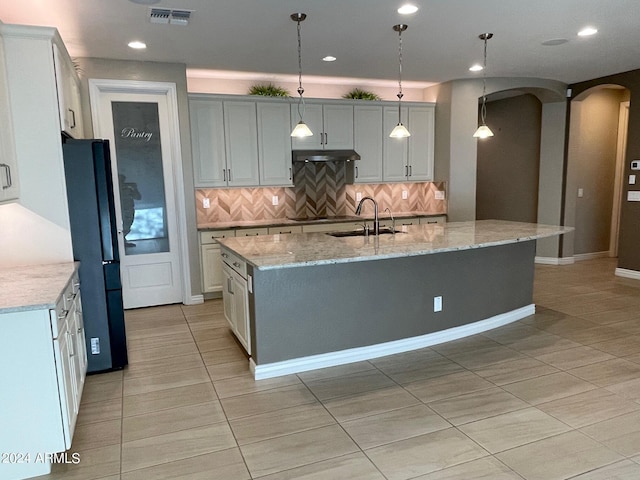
x,y
249,247
34,287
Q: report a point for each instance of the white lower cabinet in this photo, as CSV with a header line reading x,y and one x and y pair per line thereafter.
x,y
235,297
210,260
42,382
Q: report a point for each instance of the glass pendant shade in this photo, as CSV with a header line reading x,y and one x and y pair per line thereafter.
x,y
483,132
399,131
301,130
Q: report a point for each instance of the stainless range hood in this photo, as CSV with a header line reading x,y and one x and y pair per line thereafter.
x,y
325,155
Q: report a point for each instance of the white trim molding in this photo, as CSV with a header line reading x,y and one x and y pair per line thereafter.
x,y
324,360
555,260
626,273
590,256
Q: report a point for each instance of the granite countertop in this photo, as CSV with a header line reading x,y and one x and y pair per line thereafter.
x,y
305,249
278,222
33,287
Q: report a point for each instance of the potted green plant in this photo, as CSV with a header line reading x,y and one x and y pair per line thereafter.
x,y
268,90
359,94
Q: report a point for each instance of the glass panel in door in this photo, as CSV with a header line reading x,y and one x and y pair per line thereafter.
x,y
140,177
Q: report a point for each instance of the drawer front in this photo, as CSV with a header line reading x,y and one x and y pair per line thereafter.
x,y
235,262
428,220
64,304
251,232
285,229
210,236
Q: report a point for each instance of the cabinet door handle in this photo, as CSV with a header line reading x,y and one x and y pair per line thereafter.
x,y
406,171
229,174
411,170
224,174
224,255
290,174
72,348
326,138
229,284
73,118
356,172
236,264
7,174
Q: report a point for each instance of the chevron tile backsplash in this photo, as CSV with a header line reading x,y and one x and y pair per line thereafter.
x,y
320,190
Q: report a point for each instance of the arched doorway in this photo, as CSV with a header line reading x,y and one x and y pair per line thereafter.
x,y
595,161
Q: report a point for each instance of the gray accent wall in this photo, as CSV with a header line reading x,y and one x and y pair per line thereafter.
x,y
154,72
302,311
509,162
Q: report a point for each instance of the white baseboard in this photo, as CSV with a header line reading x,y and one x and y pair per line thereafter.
x,y
323,360
555,260
194,300
590,256
623,272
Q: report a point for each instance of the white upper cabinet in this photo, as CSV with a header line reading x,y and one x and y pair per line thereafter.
x,y
224,141
207,143
68,87
8,161
409,159
395,149
367,139
331,124
421,121
274,144
241,141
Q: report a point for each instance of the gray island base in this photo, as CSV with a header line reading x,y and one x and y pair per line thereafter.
x,y
379,295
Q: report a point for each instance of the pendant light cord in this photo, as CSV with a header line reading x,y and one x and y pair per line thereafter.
x,y
399,71
483,109
300,89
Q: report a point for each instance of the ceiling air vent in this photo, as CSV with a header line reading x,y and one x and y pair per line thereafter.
x,y
169,16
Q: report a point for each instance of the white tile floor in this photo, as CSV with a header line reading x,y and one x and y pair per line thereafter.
x,y
554,396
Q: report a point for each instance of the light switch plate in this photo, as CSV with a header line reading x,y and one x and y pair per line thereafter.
x,y
580,193
439,195
274,200
633,196
358,196
405,194
632,179
206,203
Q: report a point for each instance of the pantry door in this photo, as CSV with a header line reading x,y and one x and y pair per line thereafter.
x,y
137,123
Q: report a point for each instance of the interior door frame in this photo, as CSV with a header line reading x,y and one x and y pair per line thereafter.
x,y
621,151
169,90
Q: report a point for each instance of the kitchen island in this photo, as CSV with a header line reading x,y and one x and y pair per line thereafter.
x,y
314,300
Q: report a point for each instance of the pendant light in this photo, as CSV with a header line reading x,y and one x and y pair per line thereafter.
x,y
301,129
483,131
399,131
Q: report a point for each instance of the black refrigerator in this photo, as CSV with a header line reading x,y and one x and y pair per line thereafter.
x,y
92,215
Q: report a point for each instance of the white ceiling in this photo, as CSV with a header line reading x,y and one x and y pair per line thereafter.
x,y
439,45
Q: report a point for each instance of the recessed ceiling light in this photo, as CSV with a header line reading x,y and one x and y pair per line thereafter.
x,y
476,68
587,31
329,58
407,9
137,45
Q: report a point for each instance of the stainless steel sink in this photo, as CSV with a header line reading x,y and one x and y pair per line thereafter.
x,y
361,233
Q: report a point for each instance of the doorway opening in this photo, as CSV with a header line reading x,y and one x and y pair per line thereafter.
x,y
597,147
